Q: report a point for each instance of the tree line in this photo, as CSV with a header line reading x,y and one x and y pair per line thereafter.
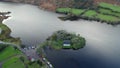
x,y
75,3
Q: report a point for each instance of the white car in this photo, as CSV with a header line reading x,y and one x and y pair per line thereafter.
x,y
44,59
50,65
33,47
25,48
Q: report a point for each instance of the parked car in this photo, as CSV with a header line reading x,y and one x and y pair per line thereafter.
x,y
29,47
44,59
50,65
33,47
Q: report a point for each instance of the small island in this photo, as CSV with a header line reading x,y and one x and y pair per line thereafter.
x,y
64,40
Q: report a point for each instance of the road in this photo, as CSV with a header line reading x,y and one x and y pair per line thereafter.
x,y
0,64
30,52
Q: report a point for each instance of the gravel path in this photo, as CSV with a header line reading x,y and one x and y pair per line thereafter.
x,y
0,64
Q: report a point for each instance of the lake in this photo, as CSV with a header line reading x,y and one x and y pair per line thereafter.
x,y
34,25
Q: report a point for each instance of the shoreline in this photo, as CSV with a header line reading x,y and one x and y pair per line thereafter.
x,y
72,18
75,18
5,35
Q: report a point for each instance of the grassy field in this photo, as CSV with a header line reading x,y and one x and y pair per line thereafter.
x,y
105,12
69,10
8,52
64,10
13,62
56,45
90,13
34,65
110,6
11,59
77,11
103,17
108,12
107,18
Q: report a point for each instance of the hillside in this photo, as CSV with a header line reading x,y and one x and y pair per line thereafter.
x,y
53,4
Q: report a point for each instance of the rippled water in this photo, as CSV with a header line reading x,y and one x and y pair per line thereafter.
x,y
33,26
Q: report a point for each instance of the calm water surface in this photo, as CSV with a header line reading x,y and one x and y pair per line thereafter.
x,y
33,26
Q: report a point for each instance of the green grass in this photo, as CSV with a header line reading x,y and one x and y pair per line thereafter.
x,y
77,11
13,62
110,6
34,65
11,59
93,14
64,10
56,44
5,35
106,11
107,18
69,10
8,52
4,27
90,13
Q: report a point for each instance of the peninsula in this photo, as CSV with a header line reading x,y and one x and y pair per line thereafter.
x,y
5,30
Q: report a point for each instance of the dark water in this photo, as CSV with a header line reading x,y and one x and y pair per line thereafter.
x,y
33,26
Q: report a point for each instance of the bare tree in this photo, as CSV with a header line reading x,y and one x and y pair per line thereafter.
x,y
3,15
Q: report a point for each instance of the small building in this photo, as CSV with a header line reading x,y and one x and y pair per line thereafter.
x,y
66,43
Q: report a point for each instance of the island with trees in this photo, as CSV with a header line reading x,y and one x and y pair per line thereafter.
x,y
64,40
